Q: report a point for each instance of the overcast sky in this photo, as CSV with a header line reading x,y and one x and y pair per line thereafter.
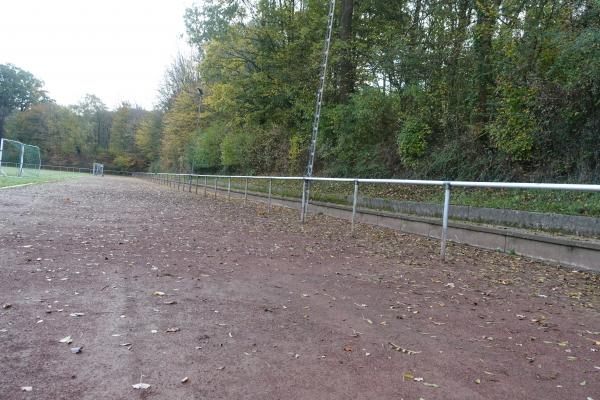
x,y
115,49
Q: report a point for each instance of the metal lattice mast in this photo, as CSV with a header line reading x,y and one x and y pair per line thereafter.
x,y
317,116
319,103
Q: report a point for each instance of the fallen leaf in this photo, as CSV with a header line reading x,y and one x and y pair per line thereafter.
x,y
403,350
26,388
66,339
184,380
140,385
75,350
158,293
172,330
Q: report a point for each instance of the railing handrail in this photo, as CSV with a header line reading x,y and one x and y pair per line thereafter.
x,y
491,185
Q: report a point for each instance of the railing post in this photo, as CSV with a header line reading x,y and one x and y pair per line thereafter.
x,y
229,189
21,159
302,208
197,183
216,180
270,187
354,201
190,188
445,220
205,185
246,191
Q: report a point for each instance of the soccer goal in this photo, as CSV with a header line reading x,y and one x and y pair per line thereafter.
x,y
98,169
19,159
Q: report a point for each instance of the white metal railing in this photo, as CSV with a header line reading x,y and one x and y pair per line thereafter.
x,y
83,170
180,179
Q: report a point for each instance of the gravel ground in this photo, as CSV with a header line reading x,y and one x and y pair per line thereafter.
x,y
157,285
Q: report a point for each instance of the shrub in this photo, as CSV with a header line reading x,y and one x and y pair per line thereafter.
x,y
412,140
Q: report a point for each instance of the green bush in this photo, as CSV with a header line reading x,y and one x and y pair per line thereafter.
x,y
206,148
234,150
412,140
513,129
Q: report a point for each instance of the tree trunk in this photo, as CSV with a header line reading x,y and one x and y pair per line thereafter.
x,y
456,93
487,13
347,67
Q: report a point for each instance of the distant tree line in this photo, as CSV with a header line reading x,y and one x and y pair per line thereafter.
x,y
487,89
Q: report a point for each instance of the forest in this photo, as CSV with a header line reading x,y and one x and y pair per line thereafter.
x,y
445,89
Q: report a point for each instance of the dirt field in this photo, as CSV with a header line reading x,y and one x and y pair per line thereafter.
x,y
256,306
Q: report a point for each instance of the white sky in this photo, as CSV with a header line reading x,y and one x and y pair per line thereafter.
x,y
115,49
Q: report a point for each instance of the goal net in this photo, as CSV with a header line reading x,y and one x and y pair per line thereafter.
x,y
19,159
98,169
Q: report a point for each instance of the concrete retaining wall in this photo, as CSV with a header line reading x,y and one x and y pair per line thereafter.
x,y
572,224
566,251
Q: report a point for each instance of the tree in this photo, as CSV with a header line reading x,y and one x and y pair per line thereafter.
x,y
347,73
181,75
148,136
492,89
95,112
180,125
122,146
19,90
58,131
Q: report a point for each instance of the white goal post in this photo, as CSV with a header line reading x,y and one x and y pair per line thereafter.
x,y
98,169
19,159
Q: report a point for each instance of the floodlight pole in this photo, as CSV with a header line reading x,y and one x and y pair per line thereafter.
x,y
1,148
317,116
